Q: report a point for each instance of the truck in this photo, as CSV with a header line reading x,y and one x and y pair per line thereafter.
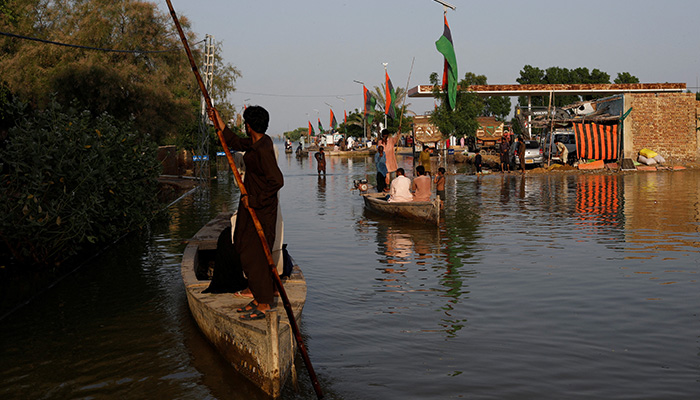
x,y
489,133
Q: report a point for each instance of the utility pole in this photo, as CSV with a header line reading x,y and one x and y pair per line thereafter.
x,y
202,166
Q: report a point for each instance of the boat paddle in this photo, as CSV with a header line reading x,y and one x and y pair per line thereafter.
x,y
253,215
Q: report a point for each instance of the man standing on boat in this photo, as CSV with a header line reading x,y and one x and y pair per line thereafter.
x,y
389,143
263,180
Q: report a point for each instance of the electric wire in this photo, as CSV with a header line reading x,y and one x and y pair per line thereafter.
x,y
12,35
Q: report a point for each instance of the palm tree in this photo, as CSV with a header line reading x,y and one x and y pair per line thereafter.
x,y
402,108
401,93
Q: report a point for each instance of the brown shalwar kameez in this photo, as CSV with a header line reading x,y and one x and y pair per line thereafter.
x,y
263,179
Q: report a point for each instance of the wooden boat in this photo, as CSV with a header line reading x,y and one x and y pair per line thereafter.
x,y
423,211
263,350
351,153
288,150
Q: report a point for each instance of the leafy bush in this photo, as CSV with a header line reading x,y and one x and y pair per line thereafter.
x,y
68,180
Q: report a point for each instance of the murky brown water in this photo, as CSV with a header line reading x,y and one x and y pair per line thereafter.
x,y
559,286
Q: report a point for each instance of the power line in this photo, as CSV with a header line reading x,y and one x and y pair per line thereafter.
x,y
84,47
299,95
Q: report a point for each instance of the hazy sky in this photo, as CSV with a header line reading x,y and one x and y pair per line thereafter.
x,y
296,56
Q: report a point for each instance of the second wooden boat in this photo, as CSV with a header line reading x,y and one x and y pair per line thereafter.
x,y
422,211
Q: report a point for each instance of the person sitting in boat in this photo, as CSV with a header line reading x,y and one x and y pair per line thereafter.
x,y
400,188
421,185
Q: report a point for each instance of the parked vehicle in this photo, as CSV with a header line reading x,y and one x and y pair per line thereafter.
x,y
533,154
566,137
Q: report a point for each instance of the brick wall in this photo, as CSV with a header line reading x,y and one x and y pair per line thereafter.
x,y
665,123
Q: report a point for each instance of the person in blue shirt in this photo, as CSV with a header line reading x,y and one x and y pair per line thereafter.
x,y
380,162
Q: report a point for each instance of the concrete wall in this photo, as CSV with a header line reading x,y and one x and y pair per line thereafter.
x,y
663,122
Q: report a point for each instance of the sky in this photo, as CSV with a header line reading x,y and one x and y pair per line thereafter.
x,y
299,59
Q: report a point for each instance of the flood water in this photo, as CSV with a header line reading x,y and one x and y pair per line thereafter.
x,y
559,286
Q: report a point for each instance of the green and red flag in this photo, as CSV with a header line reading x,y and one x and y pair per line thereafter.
x,y
311,130
334,123
320,127
370,103
449,75
345,120
390,107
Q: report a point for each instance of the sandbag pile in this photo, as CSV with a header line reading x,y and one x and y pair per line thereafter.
x,y
650,157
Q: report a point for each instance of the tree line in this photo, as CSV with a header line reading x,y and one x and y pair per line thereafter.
x,y
88,89
462,121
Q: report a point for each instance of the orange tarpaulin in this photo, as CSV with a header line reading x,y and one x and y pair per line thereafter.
x,y
596,141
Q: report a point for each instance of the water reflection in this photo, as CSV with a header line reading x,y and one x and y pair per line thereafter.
x,y
551,284
598,203
662,215
321,190
400,247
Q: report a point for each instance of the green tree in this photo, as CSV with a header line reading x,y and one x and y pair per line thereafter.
x,y
69,180
557,75
461,121
497,106
625,77
402,110
354,124
156,90
296,134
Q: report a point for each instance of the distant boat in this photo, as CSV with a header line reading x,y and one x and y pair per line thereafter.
x,y
422,211
262,350
364,152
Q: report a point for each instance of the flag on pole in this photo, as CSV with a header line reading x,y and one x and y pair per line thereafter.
x,y
345,121
370,103
334,123
320,127
311,130
449,75
390,108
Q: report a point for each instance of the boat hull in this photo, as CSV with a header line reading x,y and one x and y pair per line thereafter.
x,y
421,211
263,351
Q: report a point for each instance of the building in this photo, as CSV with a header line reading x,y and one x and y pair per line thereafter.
x,y
659,116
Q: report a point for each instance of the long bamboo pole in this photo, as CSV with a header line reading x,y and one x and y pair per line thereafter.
x,y
253,215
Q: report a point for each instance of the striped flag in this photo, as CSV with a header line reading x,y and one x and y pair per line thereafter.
x,y
449,75
320,127
390,107
311,130
345,121
334,123
370,103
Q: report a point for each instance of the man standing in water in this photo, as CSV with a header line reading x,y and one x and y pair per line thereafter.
x,y
320,157
263,180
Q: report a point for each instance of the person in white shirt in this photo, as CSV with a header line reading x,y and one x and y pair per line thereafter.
x,y
400,189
